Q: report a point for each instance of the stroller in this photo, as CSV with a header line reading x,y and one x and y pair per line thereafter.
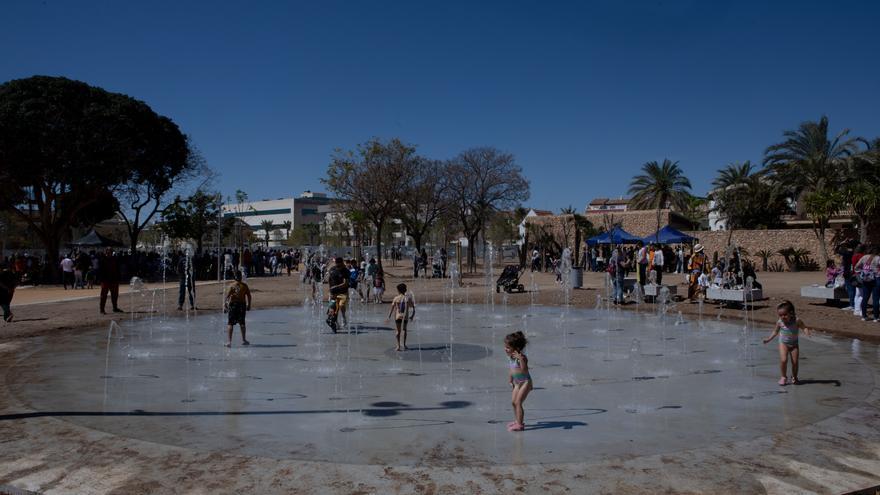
x,y
509,280
437,269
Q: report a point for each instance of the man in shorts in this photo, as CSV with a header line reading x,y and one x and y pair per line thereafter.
x,y
238,303
338,279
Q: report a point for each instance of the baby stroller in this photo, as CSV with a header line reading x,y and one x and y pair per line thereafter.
x,y
437,269
509,280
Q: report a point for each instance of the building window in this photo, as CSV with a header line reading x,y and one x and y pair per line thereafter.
x,y
309,211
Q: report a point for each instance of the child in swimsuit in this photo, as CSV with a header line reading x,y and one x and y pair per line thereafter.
x,y
787,328
519,379
400,309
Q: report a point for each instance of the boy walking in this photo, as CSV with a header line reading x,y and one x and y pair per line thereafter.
x,y
238,303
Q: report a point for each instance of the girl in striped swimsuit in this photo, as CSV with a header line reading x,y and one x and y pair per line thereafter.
x,y
519,379
787,328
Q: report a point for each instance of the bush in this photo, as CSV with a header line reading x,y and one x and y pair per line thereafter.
x,y
796,259
776,267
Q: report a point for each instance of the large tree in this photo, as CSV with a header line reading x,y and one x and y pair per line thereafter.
x,y
63,146
482,181
369,179
424,199
812,166
661,185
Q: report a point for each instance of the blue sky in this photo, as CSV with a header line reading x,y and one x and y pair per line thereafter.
x,y
582,93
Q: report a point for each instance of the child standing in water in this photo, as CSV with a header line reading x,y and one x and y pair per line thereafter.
x,y
519,379
788,328
237,302
400,306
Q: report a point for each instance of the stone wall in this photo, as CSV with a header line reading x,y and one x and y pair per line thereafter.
x,y
643,223
753,241
639,222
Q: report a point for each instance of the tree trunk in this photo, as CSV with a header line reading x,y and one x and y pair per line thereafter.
x,y
820,233
133,234
417,240
378,243
53,252
863,229
657,232
472,253
729,236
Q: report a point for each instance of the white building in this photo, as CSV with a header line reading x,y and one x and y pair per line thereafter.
x,y
302,210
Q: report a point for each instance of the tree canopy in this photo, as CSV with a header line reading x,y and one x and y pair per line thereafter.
x,y
369,178
482,181
64,145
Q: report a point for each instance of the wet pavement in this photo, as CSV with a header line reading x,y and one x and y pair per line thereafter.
x,y
610,388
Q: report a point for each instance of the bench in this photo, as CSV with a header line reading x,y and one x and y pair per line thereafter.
x,y
653,290
830,294
733,295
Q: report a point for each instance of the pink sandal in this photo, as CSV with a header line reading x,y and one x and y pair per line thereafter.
x,y
516,427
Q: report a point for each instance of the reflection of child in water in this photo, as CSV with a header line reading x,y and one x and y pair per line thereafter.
x,y
519,379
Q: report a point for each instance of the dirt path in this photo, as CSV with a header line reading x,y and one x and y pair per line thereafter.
x,y
43,310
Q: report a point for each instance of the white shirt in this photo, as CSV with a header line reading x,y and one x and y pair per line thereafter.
x,y
67,265
703,281
642,257
658,258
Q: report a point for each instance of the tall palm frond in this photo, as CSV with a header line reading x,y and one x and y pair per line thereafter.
x,y
661,185
808,160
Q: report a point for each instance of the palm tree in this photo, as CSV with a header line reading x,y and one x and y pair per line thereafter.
x,y
286,225
862,192
734,174
582,227
820,206
267,227
747,199
814,168
808,161
661,185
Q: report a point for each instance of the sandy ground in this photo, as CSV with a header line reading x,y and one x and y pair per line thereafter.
x,y
48,309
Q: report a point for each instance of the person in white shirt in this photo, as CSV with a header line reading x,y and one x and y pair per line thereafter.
x,y
67,273
642,265
658,264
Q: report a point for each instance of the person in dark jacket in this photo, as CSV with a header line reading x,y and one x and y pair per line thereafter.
x,y
109,275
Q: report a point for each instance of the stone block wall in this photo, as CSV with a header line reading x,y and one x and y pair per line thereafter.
x,y
643,223
638,222
772,240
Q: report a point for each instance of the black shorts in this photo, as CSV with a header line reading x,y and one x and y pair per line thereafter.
x,y
237,312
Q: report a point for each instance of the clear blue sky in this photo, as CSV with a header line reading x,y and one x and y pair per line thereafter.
x,y
582,93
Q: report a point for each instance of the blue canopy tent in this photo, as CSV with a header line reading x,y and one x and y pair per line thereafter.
x,y
669,235
615,236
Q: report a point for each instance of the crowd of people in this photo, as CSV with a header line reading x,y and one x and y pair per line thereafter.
x,y
650,261
859,274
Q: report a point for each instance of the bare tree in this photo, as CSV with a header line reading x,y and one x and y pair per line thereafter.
x,y
482,181
369,178
153,187
424,199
